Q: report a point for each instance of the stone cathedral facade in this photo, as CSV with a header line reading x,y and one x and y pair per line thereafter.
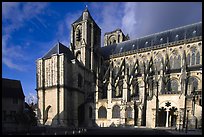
x,y
153,81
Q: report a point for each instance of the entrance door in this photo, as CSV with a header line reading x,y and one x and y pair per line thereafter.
x,y
135,115
162,117
81,114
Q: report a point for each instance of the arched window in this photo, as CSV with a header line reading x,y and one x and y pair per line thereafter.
x,y
116,112
174,86
193,59
114,41
78,34
178,62
90,112
129,112
79,80
193,50
119,88
102,112
193,84
198,58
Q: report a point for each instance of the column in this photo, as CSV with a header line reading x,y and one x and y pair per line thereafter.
x,y
167,117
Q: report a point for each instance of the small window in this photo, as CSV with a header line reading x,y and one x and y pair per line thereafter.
x,y
15,100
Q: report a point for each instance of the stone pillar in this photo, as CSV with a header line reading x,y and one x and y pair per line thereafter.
x,y
109,97
167,118
125,89
139,119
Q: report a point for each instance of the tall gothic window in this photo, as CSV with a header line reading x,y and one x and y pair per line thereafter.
x,y
178,62
193,59
119,88
198,58
116,112
193,84
174,86
129,112
102,112
78,34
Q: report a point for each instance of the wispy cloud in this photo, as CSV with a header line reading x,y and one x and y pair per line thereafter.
x,y
14,15
143,18
31,98
64,27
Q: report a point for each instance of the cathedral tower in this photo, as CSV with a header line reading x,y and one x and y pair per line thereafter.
x,y
85,40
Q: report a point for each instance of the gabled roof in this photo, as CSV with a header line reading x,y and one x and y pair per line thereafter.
x,y
81,18
12,88
58,49
173,35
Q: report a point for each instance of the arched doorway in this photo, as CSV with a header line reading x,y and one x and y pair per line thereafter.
x,y
173,117
167,117
162,117
81,112
135,115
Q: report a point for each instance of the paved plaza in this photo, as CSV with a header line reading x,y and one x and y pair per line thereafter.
x,y
109,131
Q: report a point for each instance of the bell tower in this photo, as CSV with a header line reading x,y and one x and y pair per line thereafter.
x,y
85,40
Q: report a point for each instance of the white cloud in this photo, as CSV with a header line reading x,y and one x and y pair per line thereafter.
x,y
31,97
130,20
14,16
64,27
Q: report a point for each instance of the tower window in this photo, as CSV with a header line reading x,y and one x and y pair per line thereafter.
x,y
78,35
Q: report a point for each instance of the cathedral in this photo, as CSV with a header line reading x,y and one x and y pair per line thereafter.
x,y
151,81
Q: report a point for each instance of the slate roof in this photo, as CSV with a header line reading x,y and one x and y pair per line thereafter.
x,y
168,36
81,18
58,49
12,88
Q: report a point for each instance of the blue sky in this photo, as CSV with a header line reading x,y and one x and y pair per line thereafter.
x,y
30,29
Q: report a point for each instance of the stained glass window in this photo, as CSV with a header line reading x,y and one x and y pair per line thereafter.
x,y
102,112
174,86
198,58
116,112
193,50
129,112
